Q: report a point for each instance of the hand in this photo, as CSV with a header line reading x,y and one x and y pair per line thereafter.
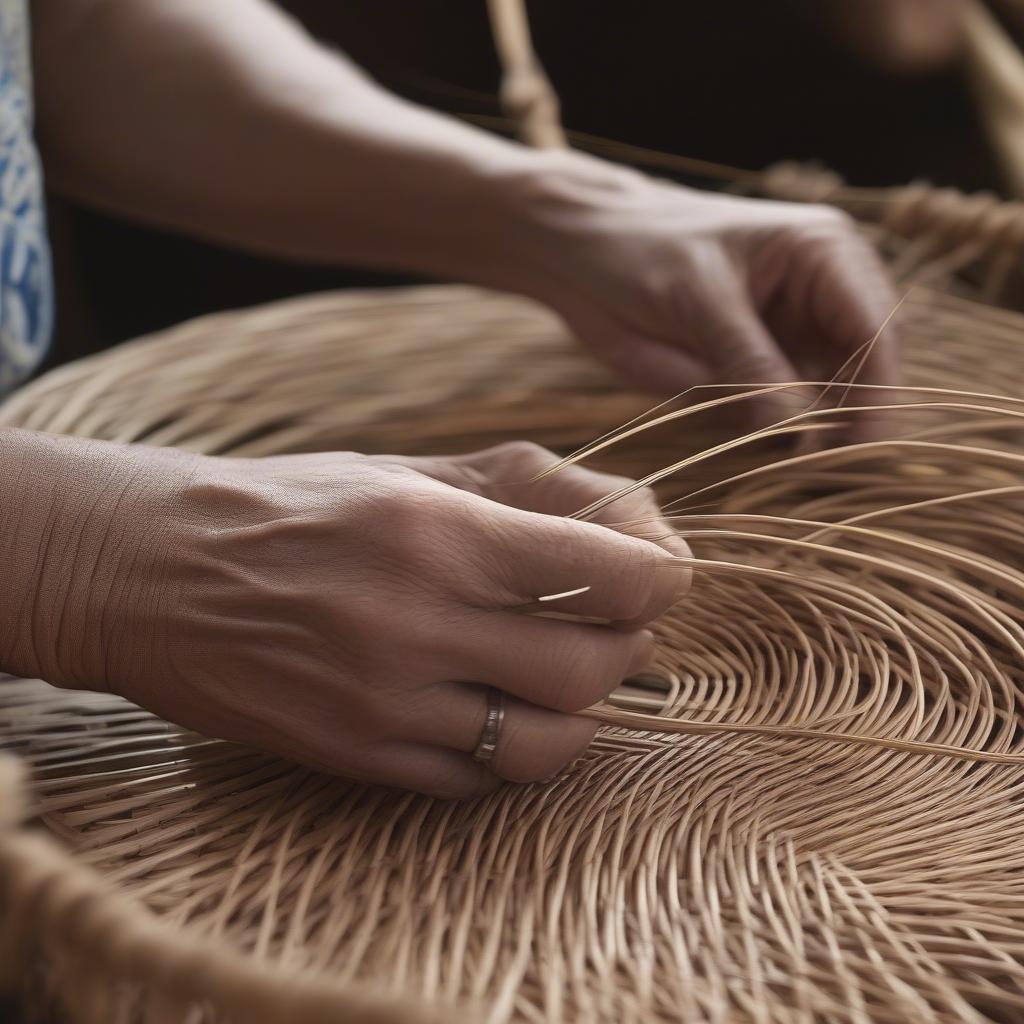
x,y
349,611
675,287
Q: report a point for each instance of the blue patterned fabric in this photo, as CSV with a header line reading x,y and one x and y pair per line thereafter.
x,y
26,280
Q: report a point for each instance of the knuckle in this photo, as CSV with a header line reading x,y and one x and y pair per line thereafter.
x,y
460,473
526,454
523,458
524,448
706,259
521,450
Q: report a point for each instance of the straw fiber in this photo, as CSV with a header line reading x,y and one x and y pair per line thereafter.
x,y
813,812
872,591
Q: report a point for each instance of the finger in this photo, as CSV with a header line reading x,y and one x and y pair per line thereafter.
x,y
856,306
660,365
533,742
651,365
511,471
854,302
637,514
744,351
528,556
855,309
564,666
422,767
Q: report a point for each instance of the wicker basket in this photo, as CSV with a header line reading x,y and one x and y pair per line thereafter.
x,y
664,878
823,822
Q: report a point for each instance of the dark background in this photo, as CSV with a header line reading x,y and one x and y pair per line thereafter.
x,y
745,82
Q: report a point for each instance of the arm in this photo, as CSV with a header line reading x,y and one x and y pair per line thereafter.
x,y
73,514
227,120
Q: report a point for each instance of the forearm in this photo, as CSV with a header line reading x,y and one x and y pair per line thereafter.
x,y
227,120
77,516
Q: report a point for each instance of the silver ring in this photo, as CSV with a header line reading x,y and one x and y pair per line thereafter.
x,y
492,726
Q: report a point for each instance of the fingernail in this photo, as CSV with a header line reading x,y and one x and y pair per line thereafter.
x,y
644,654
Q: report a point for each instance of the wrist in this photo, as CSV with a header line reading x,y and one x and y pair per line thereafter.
x,y
83,535
554,208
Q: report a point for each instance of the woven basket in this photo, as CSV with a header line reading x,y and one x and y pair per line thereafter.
x,y
837,833
665,877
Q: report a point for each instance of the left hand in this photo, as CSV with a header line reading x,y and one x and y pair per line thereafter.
x,y
676,287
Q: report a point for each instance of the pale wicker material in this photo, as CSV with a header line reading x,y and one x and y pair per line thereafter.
x,y
92,938
323,370
526,92
750,854
666,877
995,70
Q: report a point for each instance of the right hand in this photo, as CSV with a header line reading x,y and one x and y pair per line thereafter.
x,y
349,611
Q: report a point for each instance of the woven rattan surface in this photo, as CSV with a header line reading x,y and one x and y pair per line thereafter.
x,y
722,877
823,822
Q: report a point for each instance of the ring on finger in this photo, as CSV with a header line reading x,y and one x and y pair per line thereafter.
x,y
491,732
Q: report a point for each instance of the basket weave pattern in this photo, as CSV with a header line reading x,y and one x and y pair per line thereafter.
x,y
664,877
